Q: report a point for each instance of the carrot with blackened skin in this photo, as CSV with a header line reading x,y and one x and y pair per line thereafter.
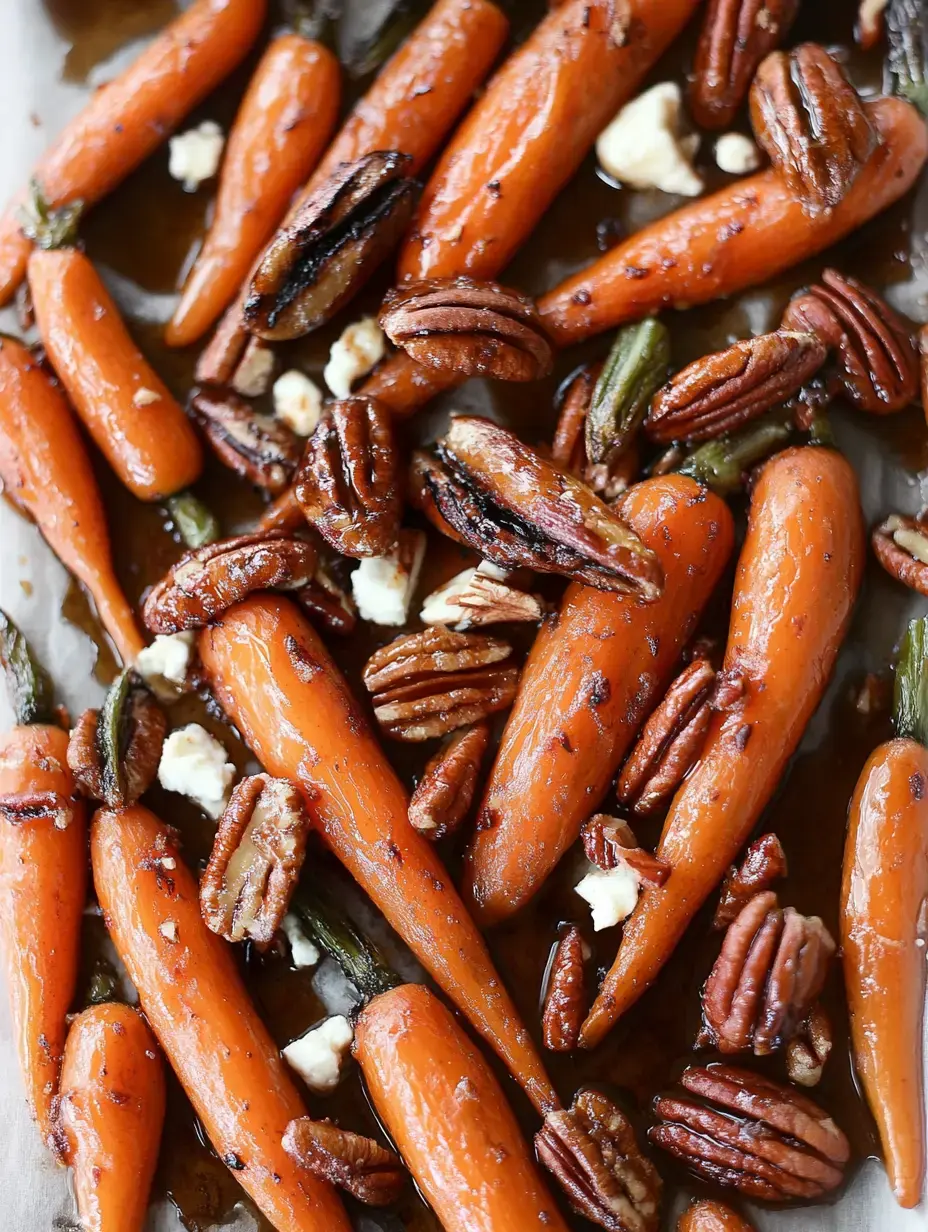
x,y
128,118
589,681
797,581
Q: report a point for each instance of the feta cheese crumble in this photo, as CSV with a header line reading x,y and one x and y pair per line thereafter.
x,y
736,154
144,396
253,374
612,895
297,401
302,951
167,658
384,586
194,764
194,156
643,147
318,1055
353,355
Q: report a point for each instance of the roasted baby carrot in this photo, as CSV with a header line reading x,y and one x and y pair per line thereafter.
x,y
109,1116
127,119
198,1008
797,580
590,680
283,125
733,239
46,471
711,1217
127,409
279,686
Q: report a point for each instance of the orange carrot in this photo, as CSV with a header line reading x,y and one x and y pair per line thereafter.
x,y
128,410
109,1116
711,1217
45,470
194,999
279,686
590,680
798,576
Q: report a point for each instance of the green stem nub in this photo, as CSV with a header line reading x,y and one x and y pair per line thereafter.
x,y
910,701
358,957
635,366
193,521
907,60
46,227
721,464
365,55
28,685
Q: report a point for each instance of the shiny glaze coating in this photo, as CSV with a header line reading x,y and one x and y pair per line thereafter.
x,y
711,1217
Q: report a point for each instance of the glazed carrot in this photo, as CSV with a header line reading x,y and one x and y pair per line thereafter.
x,y
283,125
128,118
797,580
590,680
198,1008
126,407
279,686
447,1114
711,1217
733,239
109,1116
45,469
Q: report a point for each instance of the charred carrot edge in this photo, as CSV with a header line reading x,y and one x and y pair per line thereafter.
x,y
46,471
43,882
282,127
797,580
127,409
109,1116
589,681
711,1217
274,677
128,118
733,239
466,1152
200,1013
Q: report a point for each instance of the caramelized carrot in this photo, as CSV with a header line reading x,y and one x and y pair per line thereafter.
x,y
43,878
733,239
45,469
711,1217
797,580
128,410
109,1116
279,686
283,125
128,118
590,680
199,1010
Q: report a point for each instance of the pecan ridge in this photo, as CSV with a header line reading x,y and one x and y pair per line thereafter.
x,y
445,792
263,450
368,1171
764,863
565,996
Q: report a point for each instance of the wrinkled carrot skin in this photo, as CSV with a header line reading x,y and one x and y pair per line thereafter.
x,y
276,681
733,239
45,469
883,895
43,881
128,118
711,1217
149,442
197,1006
589,682
283,125
796,583
109,1116
447,1114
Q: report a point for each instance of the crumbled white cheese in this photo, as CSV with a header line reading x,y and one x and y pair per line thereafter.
x,y
384,586
643,146
195,155
168,930
253,374
297,401
144,396
167,658
318,1055
353,355
302,951
612,895
194,764
440,608
736,154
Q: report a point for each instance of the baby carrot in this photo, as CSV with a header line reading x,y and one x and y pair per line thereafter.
x,y
46,471
127,409
590,679
109,1116
128,118
797,580
711,1217
283,125
279,686
733,239
194,999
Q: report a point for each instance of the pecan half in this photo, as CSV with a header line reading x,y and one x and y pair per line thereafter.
x,y
901,546
476,597
810,1048
764,863
325,254
592,1151
712,1217
256,859
263,450
368,1171
114,752
474,328
609,842
565,996
811,122
430,683
348,482
207,581
723,391
445,792
328,603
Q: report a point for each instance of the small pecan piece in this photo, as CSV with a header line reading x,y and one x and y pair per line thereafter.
x,y
901,546
477,597
609,842
764,863
810,1048
205,582
565,997
114,752
328,603
256,859
368,1171
592,1151
712,1217
348,482
263,450
445,792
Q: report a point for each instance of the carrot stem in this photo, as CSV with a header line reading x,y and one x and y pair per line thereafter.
x,y
357,956
910,701
27,683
